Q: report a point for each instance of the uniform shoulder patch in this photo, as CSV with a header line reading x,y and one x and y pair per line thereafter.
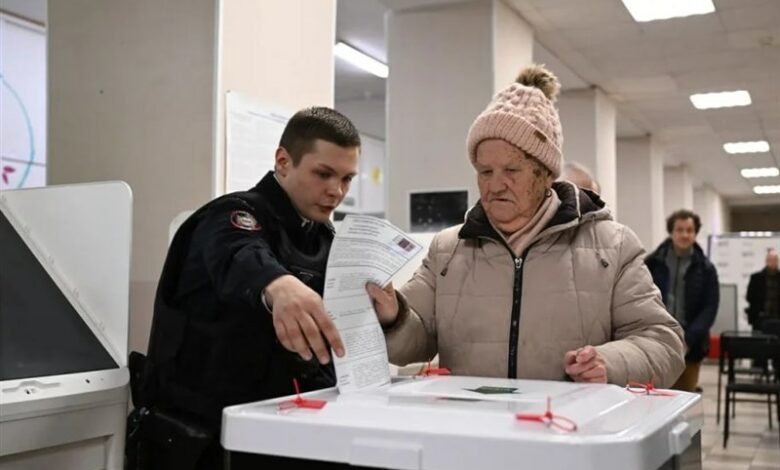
x,y
244,220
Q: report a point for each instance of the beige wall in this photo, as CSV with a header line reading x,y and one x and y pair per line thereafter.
x,y
279,52
134,89
131,98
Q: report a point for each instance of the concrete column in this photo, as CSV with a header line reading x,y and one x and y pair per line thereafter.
x,y
136,94
588,121
640,189
678,189
446,62
711,209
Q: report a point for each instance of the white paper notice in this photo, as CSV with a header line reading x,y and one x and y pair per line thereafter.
x,y
253,131
365,249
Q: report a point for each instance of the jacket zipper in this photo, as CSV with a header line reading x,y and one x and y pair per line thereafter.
x,y
514,327
517,297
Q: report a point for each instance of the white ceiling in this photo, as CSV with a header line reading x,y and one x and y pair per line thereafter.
x,y
649,69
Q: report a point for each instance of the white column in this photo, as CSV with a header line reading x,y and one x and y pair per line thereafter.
x,y
640,189
711,208
135,94
678,189
588,121
446,62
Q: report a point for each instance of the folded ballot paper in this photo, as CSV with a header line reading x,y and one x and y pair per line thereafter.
x,y
365,249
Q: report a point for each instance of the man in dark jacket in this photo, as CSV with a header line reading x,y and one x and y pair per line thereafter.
x,y
238,313
689,286
763,293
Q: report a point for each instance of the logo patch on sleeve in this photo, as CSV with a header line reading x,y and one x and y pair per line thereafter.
x,y
244,220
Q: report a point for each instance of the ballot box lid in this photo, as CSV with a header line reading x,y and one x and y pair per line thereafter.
x,y
451,422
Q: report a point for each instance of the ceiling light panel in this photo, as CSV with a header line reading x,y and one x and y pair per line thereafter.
x,y
767,172
722,99
768,189
651,10
757,146
359,59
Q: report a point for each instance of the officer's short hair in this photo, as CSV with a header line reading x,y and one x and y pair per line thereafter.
x,y
317,122
683,214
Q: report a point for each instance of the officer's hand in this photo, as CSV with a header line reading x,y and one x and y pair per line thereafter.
x,y
300,319
385,302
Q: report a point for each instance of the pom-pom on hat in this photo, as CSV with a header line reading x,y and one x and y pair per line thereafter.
x,y
524,115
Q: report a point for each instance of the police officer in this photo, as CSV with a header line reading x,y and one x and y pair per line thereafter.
x,y
238,313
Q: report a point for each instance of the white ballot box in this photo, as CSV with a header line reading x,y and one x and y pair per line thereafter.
x,y
454,423
64,290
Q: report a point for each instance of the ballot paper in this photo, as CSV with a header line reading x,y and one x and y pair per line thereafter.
x,y
365,249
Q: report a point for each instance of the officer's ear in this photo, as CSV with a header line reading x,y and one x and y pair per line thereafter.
x,y
283,161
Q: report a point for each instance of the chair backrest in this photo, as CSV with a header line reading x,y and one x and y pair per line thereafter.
x,y
770,326
757,348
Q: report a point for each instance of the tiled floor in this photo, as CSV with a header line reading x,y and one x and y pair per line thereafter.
x,y
751,446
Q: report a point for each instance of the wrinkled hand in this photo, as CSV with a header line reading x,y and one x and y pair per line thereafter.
x,y
385,302
585,365
300,319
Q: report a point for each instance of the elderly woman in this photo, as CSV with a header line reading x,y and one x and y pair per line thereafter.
x,y
539,282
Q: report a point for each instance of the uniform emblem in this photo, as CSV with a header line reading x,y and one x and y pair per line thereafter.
x,y
244,220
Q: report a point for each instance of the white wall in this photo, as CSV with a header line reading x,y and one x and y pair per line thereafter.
x,y
678,189
513,42
445,62
640,189
711,208
588,121
428,119
367,115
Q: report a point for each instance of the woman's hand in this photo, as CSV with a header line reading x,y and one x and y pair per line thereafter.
x,y
385,302
585,365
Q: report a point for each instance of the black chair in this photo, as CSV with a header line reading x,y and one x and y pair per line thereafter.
x,y
770,326
753,370
765,348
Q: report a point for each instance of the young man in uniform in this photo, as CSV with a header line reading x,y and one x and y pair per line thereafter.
x,y
688,282
238,313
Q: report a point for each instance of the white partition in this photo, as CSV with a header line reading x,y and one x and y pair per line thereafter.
x,y
738,255
76,239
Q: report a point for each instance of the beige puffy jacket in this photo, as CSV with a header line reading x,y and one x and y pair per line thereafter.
x,y
583,281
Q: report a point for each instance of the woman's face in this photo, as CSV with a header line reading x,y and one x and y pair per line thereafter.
x,y
511,184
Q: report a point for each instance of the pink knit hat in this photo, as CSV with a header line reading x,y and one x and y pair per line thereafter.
x,y
524,115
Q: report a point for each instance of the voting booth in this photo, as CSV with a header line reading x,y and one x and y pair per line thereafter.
x,y
64,287
453,423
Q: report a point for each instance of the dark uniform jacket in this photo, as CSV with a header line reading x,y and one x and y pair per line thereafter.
x,y
213,342
702,295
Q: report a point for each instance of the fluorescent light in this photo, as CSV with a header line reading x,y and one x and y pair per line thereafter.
x,y
650,10
760,172
768,189
723,99
757,146
361,60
